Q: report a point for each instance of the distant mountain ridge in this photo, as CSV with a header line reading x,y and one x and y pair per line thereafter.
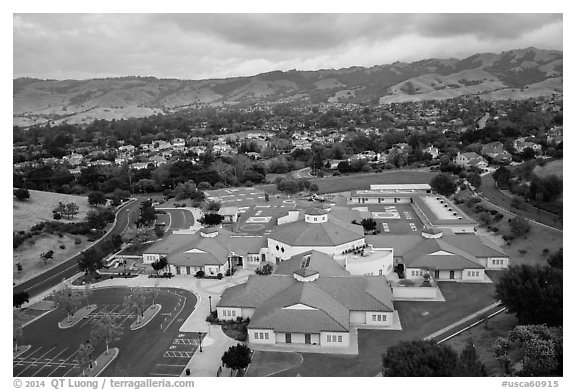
x,y
515,74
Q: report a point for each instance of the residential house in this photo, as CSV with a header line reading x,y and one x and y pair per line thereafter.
x,y
471,159
178,142
434,152
520,144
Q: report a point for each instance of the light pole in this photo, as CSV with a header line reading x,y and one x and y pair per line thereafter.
x,y
200,340
210,302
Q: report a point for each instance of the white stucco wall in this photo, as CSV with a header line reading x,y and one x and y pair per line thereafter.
x,y
494,262
149,258
344,343
290,251
383,264
357,317
402,292
386,318
473,274
359,199
261,336
229,313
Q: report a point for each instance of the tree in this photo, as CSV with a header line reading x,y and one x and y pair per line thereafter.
x,y
159,231
419,358
160,264
213,205
237,357
71,209
501,176
468,362
136,301
539,348
314,187
90,260
84,357
67,299
106,329
474,179
555,260
21,193
265,269
116,242
532,293
519,226
368,224
96,198
137,236
212,219
18,321
444,184
47,256
20,298
147,214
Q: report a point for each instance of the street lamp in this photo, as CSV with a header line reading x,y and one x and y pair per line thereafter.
x,y
210,302
200,340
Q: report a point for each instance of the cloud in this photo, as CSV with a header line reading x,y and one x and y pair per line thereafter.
x,y
196,46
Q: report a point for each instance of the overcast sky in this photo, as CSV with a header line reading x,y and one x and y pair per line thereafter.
x,y
192,46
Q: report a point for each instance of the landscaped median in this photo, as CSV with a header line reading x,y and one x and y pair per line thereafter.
x,y
102,362
76,317
147,316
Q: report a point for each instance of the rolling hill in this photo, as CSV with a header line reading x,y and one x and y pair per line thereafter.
x,y
515,74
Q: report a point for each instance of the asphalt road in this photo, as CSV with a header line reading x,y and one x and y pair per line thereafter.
x,y
177,219
128,213
152,350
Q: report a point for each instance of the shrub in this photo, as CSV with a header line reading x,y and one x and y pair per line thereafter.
x,y
62,246
57,216
522,251
200,274
220,276
77,241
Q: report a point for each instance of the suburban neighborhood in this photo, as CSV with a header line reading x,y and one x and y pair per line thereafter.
x,y
400,220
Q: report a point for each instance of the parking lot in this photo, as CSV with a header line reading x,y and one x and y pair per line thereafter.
x,y
177,354
53,350
393,219
243,196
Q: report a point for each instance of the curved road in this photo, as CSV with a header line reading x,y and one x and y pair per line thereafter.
x,y
69,268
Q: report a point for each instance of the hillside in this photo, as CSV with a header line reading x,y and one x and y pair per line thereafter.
x,y
515,74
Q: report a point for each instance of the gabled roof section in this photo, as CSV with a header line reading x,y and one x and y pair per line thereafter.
x,y
331,233
257,290
474,245
317,261
438,254
301,321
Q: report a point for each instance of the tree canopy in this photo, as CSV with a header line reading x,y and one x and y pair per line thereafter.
x,y
444,184
532,293
237,357
419,358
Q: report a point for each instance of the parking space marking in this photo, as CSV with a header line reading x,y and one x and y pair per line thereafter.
x,y
47,364
186,341
179,354
63,364
33,363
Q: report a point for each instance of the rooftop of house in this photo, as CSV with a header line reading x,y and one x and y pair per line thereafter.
x,y
314,260
286,305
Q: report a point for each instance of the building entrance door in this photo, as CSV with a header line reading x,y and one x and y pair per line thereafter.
x,y
451,274
288,338
437,274
307,338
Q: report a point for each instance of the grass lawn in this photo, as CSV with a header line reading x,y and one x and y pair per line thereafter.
x,y
483,339
419,319
358,181
554,167
28,254
39,206
265,363
524,250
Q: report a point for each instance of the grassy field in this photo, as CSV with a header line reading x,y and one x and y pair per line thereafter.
x,y
266,363
363,180
552,168
39,208
28,255
523,250
483,338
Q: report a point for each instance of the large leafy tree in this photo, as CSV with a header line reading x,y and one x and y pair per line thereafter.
x,y
468,362
106,329
419,358
532,293
237,357
67,299
90,260
538,347
96,198
444,184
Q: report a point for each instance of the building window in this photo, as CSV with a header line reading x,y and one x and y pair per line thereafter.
x,y
339,339
373,317
277,248
266,336
255,335
329,338
282,249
